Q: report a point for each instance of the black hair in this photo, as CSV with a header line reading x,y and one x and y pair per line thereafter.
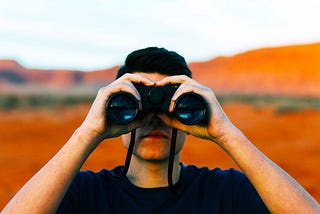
x,y
154,59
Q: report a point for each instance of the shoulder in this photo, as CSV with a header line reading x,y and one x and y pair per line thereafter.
x,y
87,192
89,176
87,179
215,173
229,187
225,181
212,179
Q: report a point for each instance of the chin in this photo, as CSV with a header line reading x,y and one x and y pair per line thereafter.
x,y
153,158
153,153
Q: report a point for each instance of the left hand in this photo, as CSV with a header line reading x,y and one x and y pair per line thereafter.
x,y
218,123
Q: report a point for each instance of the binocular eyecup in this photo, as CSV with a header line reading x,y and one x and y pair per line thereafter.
x,y
122,107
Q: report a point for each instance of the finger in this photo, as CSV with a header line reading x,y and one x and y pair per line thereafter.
x,y
137,78
175,123
105,92
177,79
185,88
171,122
118,87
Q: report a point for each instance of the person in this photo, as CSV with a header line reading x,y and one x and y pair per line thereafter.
x,y
260,187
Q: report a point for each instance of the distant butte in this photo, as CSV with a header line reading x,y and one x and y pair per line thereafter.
x,y
288,70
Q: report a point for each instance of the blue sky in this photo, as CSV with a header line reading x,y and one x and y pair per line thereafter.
x,y
85,35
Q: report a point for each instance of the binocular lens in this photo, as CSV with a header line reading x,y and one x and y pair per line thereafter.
x,y
122,108
190,109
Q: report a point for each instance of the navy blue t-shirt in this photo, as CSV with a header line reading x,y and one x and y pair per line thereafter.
x,y
199,190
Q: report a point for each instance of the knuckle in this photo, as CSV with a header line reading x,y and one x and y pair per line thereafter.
x,y
102,90
184,77
127,76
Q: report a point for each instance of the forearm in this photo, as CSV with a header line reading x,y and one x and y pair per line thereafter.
x,y
280,192
45,190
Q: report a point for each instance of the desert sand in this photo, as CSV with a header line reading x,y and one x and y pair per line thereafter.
x,y
29,138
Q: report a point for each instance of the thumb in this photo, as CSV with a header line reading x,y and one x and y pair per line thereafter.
x,y
171,121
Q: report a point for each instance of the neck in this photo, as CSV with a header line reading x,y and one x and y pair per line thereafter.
x,y
151,174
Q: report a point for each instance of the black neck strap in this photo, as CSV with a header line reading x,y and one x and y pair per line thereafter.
x,y
171,156
129,153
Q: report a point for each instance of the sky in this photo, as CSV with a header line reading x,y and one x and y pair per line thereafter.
x,y
87,35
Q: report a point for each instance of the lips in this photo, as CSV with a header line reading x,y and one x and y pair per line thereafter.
x,y
155,134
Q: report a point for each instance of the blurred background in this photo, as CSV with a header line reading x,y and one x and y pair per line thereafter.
x,y
261,58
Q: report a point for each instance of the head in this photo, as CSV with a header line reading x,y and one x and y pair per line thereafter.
x,y
153,140
155,60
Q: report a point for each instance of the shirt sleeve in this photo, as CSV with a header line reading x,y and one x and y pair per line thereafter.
x,y
246,198
70,202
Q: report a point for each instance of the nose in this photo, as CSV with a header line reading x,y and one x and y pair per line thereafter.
x,y
155,121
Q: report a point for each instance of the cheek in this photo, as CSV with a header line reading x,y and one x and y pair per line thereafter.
x,y
181,138
126,139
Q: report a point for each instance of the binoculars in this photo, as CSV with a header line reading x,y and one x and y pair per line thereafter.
x,y
122,107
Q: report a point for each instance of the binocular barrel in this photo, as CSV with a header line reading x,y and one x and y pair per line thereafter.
x,y
190,108
122,107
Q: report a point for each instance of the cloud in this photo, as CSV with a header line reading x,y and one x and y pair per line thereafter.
x,y
100,31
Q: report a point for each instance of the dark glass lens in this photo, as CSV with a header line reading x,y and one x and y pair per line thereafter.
x,y
190,109
122,108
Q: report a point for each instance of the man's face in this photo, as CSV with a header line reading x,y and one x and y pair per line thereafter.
x,y
153,140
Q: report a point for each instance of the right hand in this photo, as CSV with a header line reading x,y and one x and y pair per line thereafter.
x,y
96,123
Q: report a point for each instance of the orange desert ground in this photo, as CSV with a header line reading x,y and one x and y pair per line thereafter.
x,y
30,138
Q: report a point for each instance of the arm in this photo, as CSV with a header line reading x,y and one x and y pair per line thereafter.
x,y
279,191
45,190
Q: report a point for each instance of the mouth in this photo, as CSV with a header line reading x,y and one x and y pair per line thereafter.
x,y
155,135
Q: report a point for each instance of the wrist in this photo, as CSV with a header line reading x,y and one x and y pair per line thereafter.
x,y
88,136
225,134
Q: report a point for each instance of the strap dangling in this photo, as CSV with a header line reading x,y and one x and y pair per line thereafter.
x,y
129,153
171,157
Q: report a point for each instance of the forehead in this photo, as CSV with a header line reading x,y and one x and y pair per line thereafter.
x,y
153,76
